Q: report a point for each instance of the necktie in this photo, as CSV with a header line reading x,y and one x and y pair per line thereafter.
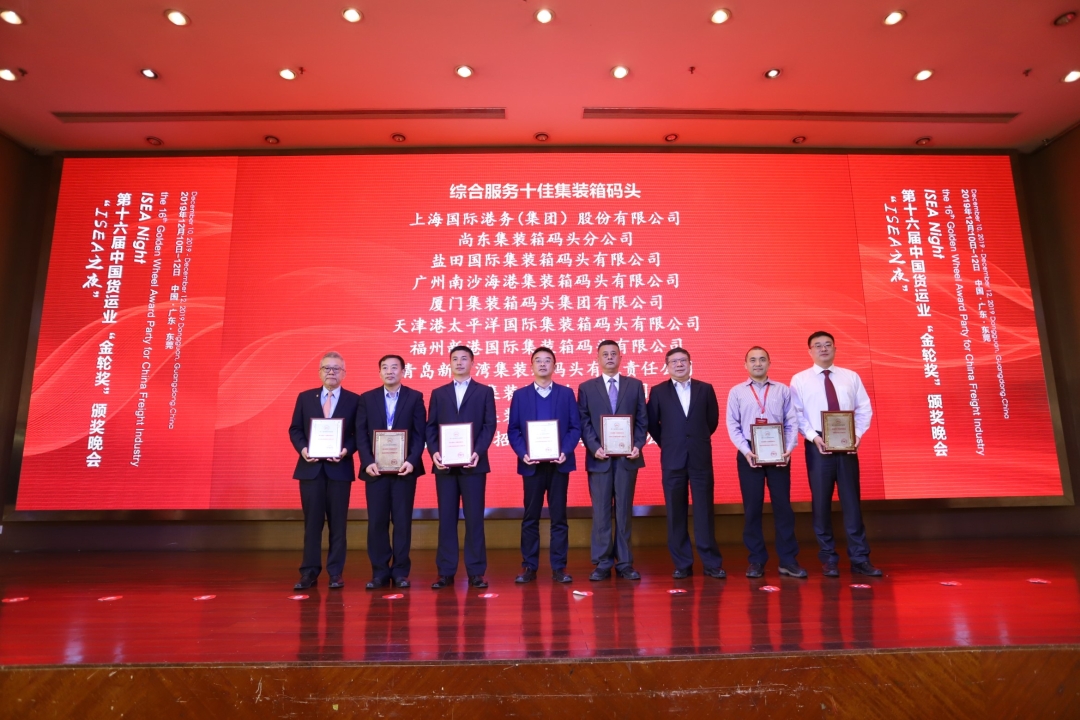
x,y
830,393
327,409
612,393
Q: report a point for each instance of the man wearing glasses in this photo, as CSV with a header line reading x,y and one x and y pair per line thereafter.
x,y
325,484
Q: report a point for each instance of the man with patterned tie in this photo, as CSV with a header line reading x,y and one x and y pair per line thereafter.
x,y
325,485
612,479
826,387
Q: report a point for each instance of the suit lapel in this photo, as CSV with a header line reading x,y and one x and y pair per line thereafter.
x,y
622,391
470,390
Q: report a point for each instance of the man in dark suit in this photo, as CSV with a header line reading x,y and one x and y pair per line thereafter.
x,y
390,496
544,400
325,485
683,415
612,479
464,400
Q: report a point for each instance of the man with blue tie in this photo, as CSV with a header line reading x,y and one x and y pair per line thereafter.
x,y
544,399
826,387
464,400
325,484
392,406
612,479
683,415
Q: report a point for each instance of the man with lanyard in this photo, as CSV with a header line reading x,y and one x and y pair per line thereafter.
x,y
760,400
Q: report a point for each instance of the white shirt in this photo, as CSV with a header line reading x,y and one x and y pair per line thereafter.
x,y
808,396
334,395
459,390
544,391
390,399
682,389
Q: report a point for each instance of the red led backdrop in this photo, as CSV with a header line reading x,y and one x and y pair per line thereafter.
x,y
189,300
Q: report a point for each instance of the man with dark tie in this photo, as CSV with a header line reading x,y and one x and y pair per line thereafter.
x,y
390,497
544,399
826,387
683,415
612,479
760,400
325,485
464,400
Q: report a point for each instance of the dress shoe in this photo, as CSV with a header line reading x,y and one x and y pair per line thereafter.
x,y
599,574
306,581
443,581
865,568
718,573
402,583
755,570
527,576
629,573
376,583
830,570
560,576
794,570
681,574
477,581
336,582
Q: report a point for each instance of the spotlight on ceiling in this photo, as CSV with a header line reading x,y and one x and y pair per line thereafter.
x,y
671,137
352,15
923,75
544,16
772,73
924,140
11,17
620,71
799,139
1072,76
177,18
155,141
397,137
271,140
541,137
287,74
894,17
1059,20
148,73
463,71
720,16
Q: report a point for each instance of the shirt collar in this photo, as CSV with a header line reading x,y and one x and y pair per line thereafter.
x,y
396,394
462,383
333,393
818,369
685,383
543,389
752,381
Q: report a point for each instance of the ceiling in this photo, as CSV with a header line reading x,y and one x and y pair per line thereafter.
x,y
836,56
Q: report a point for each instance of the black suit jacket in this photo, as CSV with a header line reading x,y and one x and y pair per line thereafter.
x,y
307,407
408,415
477,407
593,402
684,440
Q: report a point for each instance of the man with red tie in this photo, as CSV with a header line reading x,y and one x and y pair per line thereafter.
x,y
325,484
826,387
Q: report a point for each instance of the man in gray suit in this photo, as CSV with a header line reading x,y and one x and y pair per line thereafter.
x,y
612,479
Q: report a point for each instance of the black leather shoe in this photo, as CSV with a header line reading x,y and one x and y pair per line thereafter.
x,y
680,574
442,582
306,581
336,582
830,570
718,573
376,583
599,574
477,581
629,574
794,570
402,583
560,576
865,568
527,576
755,570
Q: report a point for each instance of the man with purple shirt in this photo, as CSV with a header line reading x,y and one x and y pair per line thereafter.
x,y
753,401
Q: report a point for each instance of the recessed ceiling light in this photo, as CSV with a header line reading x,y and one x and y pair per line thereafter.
x,y
671,137
923,75
544,16
620,71
799,139
148,73
1072,76
271,139
773,73
894,17
720,16
541,137
287,74
177,18
352,15
397,137
925,140
1059,20
155,141
463,71
9,75
11,17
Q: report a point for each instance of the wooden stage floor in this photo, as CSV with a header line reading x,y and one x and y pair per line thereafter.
x,y
158,625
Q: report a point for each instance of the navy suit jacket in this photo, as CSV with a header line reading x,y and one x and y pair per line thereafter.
x,y
408,415
308,406
477,407
523,409
684,440
593,402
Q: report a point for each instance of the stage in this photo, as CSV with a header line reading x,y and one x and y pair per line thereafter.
x,y
971,629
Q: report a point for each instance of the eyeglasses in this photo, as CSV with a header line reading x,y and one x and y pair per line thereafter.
x,y
822,346
332,370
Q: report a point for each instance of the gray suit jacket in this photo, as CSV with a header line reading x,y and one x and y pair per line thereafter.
x,y
593,402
